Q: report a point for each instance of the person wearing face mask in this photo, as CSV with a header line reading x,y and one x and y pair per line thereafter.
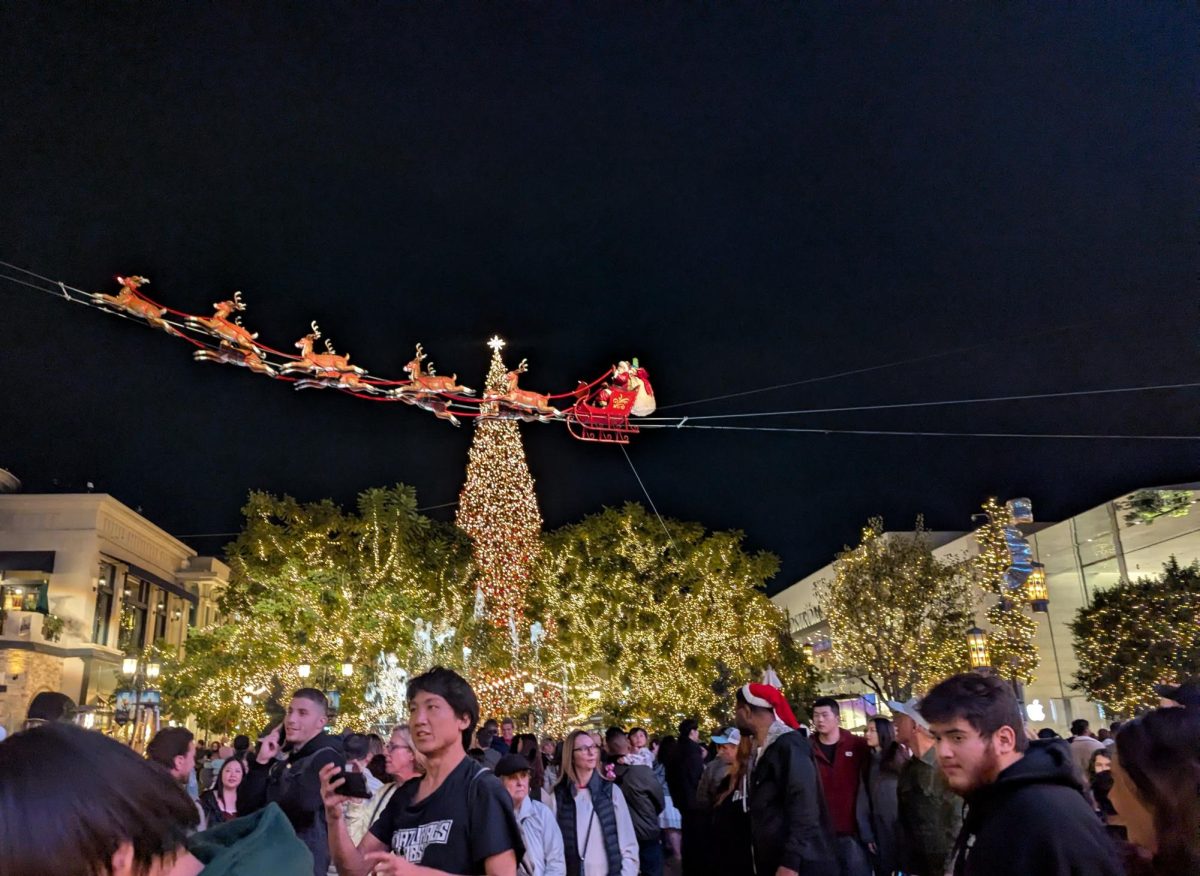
x,y
598,834
1156,789
1026,811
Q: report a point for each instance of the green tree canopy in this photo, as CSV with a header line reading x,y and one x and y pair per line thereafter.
x,y
897,614
1137,634
651,626
312,583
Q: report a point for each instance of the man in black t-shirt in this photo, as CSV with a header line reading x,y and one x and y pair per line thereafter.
x,y
456,819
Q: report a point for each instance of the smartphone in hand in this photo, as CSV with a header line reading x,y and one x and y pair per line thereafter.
x,y
354,786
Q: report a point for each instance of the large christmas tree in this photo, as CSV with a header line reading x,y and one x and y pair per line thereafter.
x,y
498,509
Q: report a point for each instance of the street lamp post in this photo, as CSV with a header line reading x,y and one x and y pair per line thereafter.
x,y
141,675
1039,601
977,648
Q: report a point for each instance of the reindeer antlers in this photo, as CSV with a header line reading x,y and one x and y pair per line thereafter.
x,y
316,331
523,367
238,303
420,352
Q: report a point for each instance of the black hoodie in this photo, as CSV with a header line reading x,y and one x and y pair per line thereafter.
x,y
296,787
1034,820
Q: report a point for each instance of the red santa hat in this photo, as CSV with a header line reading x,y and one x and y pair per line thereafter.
x,y
767,697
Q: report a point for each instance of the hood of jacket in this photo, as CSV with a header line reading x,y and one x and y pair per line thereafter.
x,y
263,842
1046,762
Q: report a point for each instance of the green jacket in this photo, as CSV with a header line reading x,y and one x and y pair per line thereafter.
x,y
930,816
262,842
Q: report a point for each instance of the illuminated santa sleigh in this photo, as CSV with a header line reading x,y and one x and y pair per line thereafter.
x,y
603,417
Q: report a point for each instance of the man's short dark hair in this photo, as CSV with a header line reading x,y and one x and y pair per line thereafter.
x,y
1114,727
831,703
453,688
241,743
50,705
492,724
1079,727
356,746
686,726
70,796
985,702
314,696
168,744
508,721
612,733
485,736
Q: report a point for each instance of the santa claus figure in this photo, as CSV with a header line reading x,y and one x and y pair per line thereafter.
x,y
633,377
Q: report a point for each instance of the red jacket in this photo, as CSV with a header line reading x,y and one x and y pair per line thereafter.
x,y
841,777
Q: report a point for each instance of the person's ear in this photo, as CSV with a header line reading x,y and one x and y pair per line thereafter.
x,y
122,859
1005,740
179,761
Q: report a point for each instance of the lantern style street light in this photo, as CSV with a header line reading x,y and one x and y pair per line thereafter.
x,y
1036,590
977,648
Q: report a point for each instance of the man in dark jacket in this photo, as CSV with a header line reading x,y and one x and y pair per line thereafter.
x,y
930,814
293,782
789,825
644,796
683,777
1026,812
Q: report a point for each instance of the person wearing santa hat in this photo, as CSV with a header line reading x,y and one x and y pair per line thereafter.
x,y
790,829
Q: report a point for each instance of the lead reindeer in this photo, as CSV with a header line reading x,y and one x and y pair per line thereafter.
x,y
328,364
428,381
132,302
522,398
221,326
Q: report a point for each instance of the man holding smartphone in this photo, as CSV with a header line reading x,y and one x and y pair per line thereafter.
x,y
294,781
455,819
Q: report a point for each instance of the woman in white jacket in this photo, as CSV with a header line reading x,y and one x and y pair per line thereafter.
x,y
543,840
598,834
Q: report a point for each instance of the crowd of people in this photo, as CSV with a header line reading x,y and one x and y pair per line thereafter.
x,y
953,784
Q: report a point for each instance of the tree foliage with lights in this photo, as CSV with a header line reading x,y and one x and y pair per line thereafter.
x,y
1137,634
1011,631
897,614
651,626
312,583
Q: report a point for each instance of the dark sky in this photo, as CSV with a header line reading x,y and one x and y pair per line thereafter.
x,y
740,195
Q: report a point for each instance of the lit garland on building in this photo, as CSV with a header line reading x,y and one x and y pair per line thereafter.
x,y
1138,634
1011,632
896,613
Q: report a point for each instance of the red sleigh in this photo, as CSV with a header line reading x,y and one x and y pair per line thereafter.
x,y
608,424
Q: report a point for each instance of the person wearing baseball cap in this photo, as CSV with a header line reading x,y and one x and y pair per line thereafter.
x,y
930,814
544,855
790,830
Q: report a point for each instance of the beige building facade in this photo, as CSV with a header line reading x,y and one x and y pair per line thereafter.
x,y
1129,537
84,582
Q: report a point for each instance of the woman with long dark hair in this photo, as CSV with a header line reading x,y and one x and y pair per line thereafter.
x,y
729,843
526,745
220,801
1156,787
883,773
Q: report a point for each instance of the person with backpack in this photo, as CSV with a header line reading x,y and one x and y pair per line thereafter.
x,y
286,771
598,834
455,818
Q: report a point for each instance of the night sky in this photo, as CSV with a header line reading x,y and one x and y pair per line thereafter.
x,y
740,195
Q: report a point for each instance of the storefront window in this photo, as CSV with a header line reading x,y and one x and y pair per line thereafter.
x,y
105,579
21,593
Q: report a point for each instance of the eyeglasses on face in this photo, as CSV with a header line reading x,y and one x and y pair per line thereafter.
x,y
395,746
583,749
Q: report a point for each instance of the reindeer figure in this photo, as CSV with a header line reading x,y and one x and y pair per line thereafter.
x,y
327,364
132,302
428,381
438,406
523,399
221,326
227,354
